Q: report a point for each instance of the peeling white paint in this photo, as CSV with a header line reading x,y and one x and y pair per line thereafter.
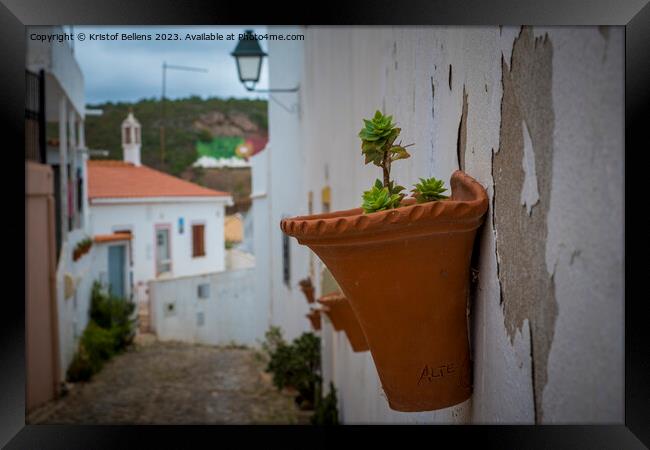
x,y
585,247
529,191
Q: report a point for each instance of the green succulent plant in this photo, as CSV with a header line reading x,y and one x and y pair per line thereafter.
x,y
379,198
428,190
378,143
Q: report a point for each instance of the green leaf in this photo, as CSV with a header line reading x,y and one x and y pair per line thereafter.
x,y
379,198
377,138
399,153
430,189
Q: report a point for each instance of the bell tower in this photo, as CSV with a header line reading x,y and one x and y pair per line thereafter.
x,y
131,139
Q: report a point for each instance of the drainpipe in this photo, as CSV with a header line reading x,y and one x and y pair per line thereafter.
x,y
63,169
74,157
84,176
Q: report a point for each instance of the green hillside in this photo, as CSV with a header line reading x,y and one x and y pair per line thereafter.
x,y
187,121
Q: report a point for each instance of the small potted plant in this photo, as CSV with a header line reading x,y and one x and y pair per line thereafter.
x,y
338,309
314,318
307,288
403,264
82,247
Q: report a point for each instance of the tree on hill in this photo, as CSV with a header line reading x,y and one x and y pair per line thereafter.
x,y
187,121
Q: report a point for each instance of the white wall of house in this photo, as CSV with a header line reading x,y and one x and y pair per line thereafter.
x,y
564,305
277,192
143,218
224,311
73,303
61,66
260,213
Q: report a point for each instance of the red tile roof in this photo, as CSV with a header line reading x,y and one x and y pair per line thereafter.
x,y
100,238
119,179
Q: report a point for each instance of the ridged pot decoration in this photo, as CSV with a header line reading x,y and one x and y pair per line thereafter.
x,y
338,309
314,318
405,272
307,288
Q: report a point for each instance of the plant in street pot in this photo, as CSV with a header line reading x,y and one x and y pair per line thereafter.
x,y
307,288
82,247
403,265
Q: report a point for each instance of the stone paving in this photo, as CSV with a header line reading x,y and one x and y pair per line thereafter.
x,y
176,383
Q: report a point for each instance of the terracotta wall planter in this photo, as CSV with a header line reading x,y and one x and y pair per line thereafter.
x,y
80,250
405,272
340,313
307,288
314,318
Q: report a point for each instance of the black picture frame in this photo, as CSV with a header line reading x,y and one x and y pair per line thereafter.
x,y
15,15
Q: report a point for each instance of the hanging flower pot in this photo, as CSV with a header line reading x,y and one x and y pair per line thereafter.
x,y
338,309
332,312
405,272
314,318
81,248
307,288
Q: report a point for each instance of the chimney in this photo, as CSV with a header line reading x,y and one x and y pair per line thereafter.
x,y
131,139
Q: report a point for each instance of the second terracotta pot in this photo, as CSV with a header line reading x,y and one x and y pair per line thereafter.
x,y
340,313
307,288
314,318
405,272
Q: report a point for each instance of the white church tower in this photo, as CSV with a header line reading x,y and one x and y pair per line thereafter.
x,y
131,139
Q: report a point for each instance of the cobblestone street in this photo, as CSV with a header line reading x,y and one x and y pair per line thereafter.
x,y
176,383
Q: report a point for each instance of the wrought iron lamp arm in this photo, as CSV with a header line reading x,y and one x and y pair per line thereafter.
x,y
252,89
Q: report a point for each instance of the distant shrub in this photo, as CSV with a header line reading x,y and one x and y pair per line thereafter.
x,y
114,314
97,345
295,365
81,369
326,411
110,330
273,340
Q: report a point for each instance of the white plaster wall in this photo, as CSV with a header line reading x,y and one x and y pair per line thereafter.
x,y
347,74
286,195
261,215
586,222
230,314
73,311
58,60
237,259
142,219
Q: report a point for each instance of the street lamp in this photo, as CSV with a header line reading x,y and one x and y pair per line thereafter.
x,y
166,67
249,56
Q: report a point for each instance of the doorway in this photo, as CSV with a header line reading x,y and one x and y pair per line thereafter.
x,y
163,250
116,270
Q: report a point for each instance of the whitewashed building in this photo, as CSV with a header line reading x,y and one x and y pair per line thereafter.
x,y
176,227
57,221
536,116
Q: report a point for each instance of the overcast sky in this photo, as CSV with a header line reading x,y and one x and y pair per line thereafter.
x,y
132,70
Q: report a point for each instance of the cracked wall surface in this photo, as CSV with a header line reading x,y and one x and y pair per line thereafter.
x,y
527,288
461,145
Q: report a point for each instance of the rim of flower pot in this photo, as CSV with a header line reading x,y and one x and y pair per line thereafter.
x,y
462,212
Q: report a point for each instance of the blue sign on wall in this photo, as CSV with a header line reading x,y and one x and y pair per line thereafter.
x,y
181,225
